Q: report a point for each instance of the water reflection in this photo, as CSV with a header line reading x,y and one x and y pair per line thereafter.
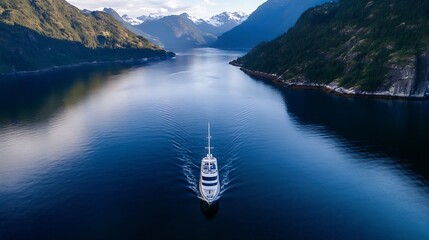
x,y
377,127
43,124
36,98
28,152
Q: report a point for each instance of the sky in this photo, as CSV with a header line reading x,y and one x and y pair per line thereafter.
x,y
197,8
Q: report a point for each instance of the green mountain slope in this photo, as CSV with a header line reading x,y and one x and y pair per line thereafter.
x,y
354,46
22,49
43,33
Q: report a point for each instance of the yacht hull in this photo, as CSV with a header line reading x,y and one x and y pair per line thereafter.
x,y
209,198
209,185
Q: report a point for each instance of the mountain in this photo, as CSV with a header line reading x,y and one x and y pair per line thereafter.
x,y
221,23
227,18
184,31
352,47
131,20
45,33
150,17
177,32
132,28
270,20
86,11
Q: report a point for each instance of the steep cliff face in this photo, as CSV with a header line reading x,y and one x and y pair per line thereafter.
x,y
353,47
409,80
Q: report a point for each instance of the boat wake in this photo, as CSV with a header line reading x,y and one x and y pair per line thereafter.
x,y
189,150
189,162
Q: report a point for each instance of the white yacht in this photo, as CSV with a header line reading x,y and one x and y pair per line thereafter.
x,y
209,177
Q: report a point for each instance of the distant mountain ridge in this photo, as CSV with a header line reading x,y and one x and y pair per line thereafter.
x,y
227,18
222,22
221,19
270,20
43,33
184,31
131,20
150,17
131,27
177,32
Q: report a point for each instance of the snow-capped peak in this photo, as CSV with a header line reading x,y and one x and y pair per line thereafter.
x,y
227,17
193,19
150,17
131,20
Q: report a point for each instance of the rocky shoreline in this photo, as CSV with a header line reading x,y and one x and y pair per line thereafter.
x,y
333,87
77,65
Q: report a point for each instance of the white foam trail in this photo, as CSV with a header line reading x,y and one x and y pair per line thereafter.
x,y
191,169
189,161
190,178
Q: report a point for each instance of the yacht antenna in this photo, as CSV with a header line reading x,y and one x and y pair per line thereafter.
x,y
209,137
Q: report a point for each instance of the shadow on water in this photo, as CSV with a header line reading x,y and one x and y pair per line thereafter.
x,y
209,211
393,128
397,129
42,95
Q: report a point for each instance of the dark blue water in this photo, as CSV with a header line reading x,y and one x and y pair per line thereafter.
x,y
112,152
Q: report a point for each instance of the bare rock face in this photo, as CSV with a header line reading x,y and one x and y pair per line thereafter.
x,y
409,80
402,79
423,84
405,80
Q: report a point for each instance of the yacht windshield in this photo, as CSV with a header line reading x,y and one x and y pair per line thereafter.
x,y
209,167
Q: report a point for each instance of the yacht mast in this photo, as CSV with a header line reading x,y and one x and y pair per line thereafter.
x,y
209,137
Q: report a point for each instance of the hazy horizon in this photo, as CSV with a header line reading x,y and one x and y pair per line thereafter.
x,y
198,8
